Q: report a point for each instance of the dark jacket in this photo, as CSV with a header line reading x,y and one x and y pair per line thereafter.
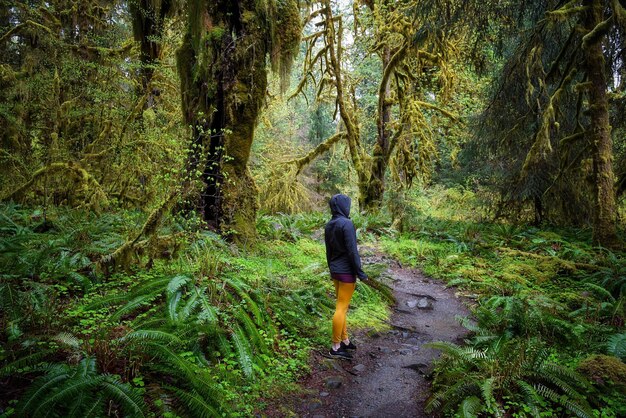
x,y
342,254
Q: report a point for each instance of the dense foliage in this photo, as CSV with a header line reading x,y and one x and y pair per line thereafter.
x,y
547,332
164,178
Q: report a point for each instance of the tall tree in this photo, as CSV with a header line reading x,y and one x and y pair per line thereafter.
x,y
68,111
411,44
547,127
600,131
222,66
148,19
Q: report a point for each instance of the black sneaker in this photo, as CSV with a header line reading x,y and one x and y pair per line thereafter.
x,y
350,346
340,353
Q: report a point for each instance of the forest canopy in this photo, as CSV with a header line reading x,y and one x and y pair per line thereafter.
x,y
153,150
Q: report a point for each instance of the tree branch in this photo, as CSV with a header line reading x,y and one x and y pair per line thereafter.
x,y
444,112
76,172
598,32
302,162
22,26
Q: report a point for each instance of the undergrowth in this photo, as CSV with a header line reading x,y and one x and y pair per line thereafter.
x,y
207,331
212,329
544,301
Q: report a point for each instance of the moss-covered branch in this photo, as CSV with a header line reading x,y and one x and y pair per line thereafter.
x,y
97,197
302,162
98,51
23,26
597,32
568,10
563,264
122,255
441,110
542,144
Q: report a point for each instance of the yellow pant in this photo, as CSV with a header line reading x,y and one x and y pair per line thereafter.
x,y
344,293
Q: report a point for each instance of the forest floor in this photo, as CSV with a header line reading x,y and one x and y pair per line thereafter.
x,y
388,376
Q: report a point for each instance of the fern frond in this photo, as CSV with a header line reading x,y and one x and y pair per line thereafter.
x,y
561,377
79,279
68,390
435,402
462,354
94,408
531,397
194,403
254,337
487,392
470,407
599,291
189,308
224,345
244,353
130,400
142,336
41,386
581,411
173,299
173,359
616,346
87,366
131,306
208,313
460,390
23,362
151,287
109,300
77,406
67,339
176,283
468,323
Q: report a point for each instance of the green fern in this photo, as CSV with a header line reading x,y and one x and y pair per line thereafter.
x,y
515,369
145,336
616,346
130,400
77,390
531,398
470,407
27,362
194,403
244,353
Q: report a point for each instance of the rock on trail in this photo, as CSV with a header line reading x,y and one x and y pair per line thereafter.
x,y
388,375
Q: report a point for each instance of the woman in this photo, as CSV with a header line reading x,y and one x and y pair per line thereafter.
x,y
344,263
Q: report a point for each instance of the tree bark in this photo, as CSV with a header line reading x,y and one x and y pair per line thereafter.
x,y
222,65
604,228
148,19
373,198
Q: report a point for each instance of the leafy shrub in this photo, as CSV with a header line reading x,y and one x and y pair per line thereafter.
x,y
80,391
470,381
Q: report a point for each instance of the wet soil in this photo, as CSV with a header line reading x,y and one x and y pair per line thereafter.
x,y
389,374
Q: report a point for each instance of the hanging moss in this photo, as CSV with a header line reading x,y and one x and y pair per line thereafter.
x,y
285,39
223,80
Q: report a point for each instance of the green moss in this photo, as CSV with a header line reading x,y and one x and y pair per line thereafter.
x,y
216,34
604,370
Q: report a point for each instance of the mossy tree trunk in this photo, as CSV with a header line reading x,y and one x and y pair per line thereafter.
x,y
222,65
403,56
148,18
373,193
604,232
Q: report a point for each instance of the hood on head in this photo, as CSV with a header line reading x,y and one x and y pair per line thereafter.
x,y
340,205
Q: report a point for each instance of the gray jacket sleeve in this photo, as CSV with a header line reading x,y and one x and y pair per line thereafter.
x,y
349,234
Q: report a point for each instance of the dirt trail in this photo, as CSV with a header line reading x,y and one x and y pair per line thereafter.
x,y
387,377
